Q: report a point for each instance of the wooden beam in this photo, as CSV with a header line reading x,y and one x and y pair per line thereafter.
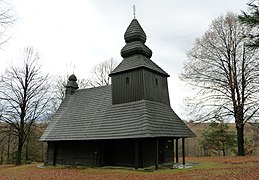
x,y
54,153
176,150
157,153
102,153
173,149
136,153
183,148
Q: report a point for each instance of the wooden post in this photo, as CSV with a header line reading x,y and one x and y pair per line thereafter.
x,y
157,153
54,153
183,148
102,153
173,149
176,150
136,153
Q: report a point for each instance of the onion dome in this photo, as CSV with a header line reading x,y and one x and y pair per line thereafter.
x,y
135,39
72,78
72,82
135,32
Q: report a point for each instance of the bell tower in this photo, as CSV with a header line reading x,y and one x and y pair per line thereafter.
x,y
137,77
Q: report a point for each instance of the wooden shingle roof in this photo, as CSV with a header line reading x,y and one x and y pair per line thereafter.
x,y
138,61
88,114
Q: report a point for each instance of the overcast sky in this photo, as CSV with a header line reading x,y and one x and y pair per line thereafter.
x,y
74,35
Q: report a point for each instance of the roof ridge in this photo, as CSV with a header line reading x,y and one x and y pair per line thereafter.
x,y
147,127
90,88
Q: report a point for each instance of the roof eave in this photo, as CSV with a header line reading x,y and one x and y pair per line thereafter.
x,y
131,69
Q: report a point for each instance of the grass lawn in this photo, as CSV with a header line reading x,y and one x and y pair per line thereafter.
x,y
207,168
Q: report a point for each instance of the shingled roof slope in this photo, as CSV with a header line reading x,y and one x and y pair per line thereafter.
x,y
138,61
88,114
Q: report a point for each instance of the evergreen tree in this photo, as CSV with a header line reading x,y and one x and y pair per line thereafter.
x,y
251,18
219,138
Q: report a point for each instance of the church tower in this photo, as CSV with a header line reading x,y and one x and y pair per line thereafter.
x,y
137,77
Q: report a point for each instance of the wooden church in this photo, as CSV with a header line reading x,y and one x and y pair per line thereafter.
x,y
128,123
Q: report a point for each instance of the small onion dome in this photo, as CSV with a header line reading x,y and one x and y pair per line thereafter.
x,y
135,32
72,78
135,39
72,82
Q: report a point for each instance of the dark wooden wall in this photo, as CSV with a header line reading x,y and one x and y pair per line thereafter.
x,y
109,152
149,151
119,153
78,153
123,92
50,156
139,84
156,87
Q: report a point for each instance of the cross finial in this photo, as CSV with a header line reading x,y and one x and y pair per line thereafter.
x,y
134,11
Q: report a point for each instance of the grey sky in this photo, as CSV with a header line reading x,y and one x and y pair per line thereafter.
x,y
73,36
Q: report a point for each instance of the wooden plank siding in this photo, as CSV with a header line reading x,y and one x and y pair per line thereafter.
x,y
50,156
98,153
155,87
78,153
139,84
133,91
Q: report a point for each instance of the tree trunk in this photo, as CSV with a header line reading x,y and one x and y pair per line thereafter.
x,y
19,152
2,156
27,151
224,152
240,139
8,147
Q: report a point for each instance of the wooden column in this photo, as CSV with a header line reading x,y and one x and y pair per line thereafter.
x,y
157,153
102,153
54,153
183,148
176,150
136,153
173,149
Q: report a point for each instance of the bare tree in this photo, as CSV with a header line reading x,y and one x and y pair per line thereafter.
x,y
6,19
25,96
226,73
101,73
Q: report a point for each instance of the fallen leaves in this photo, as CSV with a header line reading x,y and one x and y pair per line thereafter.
x,y
208,168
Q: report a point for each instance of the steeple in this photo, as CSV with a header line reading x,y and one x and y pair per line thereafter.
x,y
137,77
135,39
72,85
135,53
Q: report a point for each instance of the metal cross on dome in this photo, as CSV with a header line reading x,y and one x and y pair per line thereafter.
x,y
134,11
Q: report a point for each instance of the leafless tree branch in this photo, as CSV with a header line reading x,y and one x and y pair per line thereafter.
x,y
225,73
25,96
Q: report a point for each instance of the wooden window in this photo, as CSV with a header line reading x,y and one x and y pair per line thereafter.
x,y
127,80
156,81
